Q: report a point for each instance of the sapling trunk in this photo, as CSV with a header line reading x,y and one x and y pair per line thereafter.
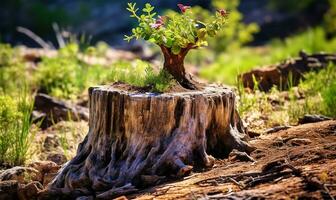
x,y
174,64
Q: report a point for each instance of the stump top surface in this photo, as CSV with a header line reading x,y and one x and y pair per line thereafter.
x,y
209,90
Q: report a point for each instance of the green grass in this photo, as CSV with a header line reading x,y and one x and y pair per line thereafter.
x,y
66,76
16,107
137,73
13,74
15,124
329,97
320,91
228,65
60,76
23,136
319,97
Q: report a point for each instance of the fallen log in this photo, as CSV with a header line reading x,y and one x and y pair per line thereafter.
x,y
313,119
51,110
134,136
287,73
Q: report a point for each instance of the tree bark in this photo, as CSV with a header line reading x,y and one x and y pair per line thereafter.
x,y
136,140
174,64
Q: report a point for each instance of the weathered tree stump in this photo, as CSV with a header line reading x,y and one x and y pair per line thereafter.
x,y
136,139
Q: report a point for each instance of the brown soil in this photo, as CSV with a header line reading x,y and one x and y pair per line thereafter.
x,y
305,168
174,88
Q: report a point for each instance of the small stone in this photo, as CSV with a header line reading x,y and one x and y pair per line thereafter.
x,y
30,191
21,174
299,141
48,169
8,189
253,134
236,155
51,141
45,166
58,158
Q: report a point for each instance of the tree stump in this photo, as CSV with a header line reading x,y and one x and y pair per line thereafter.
x,y
136,139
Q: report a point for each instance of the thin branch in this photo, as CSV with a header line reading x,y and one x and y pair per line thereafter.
x,y
164,50
34,37
59,37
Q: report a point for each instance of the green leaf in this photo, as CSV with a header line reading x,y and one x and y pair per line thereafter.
x,y
149,7
201,33
176,49
202,43
169,43
153,40
211,33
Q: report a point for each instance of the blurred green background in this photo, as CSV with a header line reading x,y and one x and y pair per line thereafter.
x,y
107,20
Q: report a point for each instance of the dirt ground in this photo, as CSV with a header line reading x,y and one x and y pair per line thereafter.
x,y
297,163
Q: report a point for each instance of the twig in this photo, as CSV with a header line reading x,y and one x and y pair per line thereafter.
x,y
283,177
34,37
236,176
267,178
326,189
241,186
59,37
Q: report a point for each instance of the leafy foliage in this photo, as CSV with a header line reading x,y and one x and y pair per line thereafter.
x,y
61,76
234,34
176,31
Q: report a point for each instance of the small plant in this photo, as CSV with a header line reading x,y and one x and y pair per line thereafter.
x,y
236,33
140,74
23,135
62,76
329,97
15,123
8,116
159,82
12,70
175,35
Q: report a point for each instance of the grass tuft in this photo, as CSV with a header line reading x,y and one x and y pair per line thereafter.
x,y
15,124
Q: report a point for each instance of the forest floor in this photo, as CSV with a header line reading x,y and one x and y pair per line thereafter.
x,y
297,163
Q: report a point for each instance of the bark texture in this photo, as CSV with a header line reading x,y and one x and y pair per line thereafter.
x,y
174,64
140,139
